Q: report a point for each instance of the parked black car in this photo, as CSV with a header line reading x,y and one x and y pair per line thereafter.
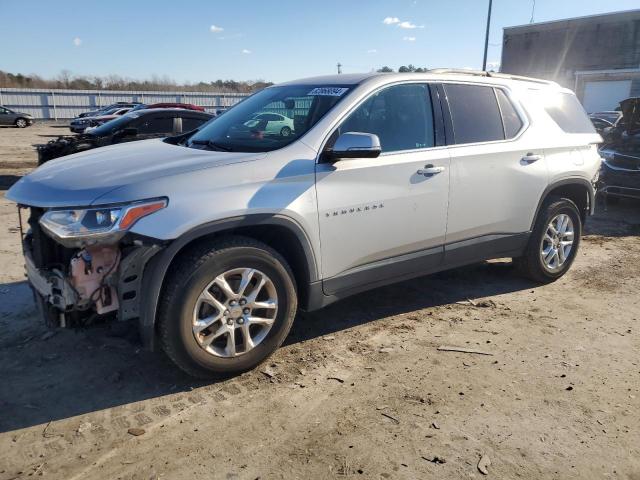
x,y
17,119
620,174
139,125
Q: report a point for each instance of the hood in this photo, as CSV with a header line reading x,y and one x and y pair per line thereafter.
x,y
81,178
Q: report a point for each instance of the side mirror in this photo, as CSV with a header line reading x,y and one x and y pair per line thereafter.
x,y
129,132
355,145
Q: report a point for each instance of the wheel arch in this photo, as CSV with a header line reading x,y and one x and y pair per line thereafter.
x,y
579,190
280,232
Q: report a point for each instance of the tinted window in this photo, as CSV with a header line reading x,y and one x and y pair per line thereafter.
x,y
155,124
475,113
566,111
191,123
401,116
510,118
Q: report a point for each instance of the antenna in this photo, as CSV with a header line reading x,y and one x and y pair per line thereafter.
x,y
339,65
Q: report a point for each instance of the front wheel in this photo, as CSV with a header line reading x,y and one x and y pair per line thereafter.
x,y
21,123
226,307
554,242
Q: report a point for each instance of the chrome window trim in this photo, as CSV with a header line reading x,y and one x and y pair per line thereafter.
x,y
520,110
354,107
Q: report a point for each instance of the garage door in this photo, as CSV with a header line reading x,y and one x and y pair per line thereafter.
x,y
603,96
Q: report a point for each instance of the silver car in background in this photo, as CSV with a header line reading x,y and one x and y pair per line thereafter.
x,y
213,239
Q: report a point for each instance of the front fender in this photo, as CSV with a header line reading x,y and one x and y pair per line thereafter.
x,y
157,267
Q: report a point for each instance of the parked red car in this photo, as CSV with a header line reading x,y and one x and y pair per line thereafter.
x,y
186,106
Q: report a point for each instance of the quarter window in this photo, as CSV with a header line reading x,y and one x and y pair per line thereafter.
x,y
475,113
510,118
401,116
566,111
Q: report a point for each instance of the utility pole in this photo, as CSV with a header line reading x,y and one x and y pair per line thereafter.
x,y
339,65
486,38
533,11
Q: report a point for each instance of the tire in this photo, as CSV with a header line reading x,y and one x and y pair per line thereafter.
x,y
21,123
532,264
181,306
285,131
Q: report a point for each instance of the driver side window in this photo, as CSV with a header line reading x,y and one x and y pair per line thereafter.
x,y
401,116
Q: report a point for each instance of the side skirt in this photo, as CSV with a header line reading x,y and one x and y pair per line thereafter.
x,y
417,264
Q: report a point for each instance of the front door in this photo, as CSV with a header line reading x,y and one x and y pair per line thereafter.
x,y
384,218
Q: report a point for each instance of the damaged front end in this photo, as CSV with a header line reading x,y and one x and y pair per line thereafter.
x,y
66,145
83,265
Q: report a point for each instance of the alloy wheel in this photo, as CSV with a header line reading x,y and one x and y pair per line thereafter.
x,y
235,312
557,242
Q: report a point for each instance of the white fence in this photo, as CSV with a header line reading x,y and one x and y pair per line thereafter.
x,y
59,104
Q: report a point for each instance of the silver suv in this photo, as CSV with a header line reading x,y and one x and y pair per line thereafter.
x,y
213,239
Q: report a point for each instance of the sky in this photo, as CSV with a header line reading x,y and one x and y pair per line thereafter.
x,y
198,40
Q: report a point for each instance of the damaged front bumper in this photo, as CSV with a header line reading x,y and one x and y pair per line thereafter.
x,y
74,287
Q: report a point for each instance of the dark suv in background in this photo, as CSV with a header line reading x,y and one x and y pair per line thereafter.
x,y
138,125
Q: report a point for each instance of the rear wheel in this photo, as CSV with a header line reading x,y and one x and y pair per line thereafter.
x,y
285,131
21,123
226,307
554,242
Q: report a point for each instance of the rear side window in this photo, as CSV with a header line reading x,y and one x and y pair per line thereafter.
x,y
475,113
155,124
510,118
191,123
401,116
567,112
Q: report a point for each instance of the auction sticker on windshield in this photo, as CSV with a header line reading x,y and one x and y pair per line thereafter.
x,y
328,91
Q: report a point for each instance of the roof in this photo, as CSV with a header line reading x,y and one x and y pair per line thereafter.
x,y
429,75
342,79
624,15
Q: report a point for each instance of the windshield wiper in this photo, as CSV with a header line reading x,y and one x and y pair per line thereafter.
x,y
212,145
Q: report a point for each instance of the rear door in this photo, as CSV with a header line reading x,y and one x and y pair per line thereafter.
x,y
498,174
382,218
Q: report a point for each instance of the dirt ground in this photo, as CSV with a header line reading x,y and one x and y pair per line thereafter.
x,y
359,389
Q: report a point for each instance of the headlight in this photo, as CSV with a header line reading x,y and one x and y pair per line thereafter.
x,y
107,224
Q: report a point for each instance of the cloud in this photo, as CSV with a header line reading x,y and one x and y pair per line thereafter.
x,y
495,65
409,39
372,50
391,20
245,51
216,29
409,25
77,41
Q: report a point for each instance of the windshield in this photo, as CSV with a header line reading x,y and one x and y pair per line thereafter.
x,y
268,120
114,125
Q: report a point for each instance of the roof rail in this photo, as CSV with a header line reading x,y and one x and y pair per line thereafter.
x,y
482,73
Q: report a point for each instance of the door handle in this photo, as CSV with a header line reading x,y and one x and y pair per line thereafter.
x,y
429,170
531,157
